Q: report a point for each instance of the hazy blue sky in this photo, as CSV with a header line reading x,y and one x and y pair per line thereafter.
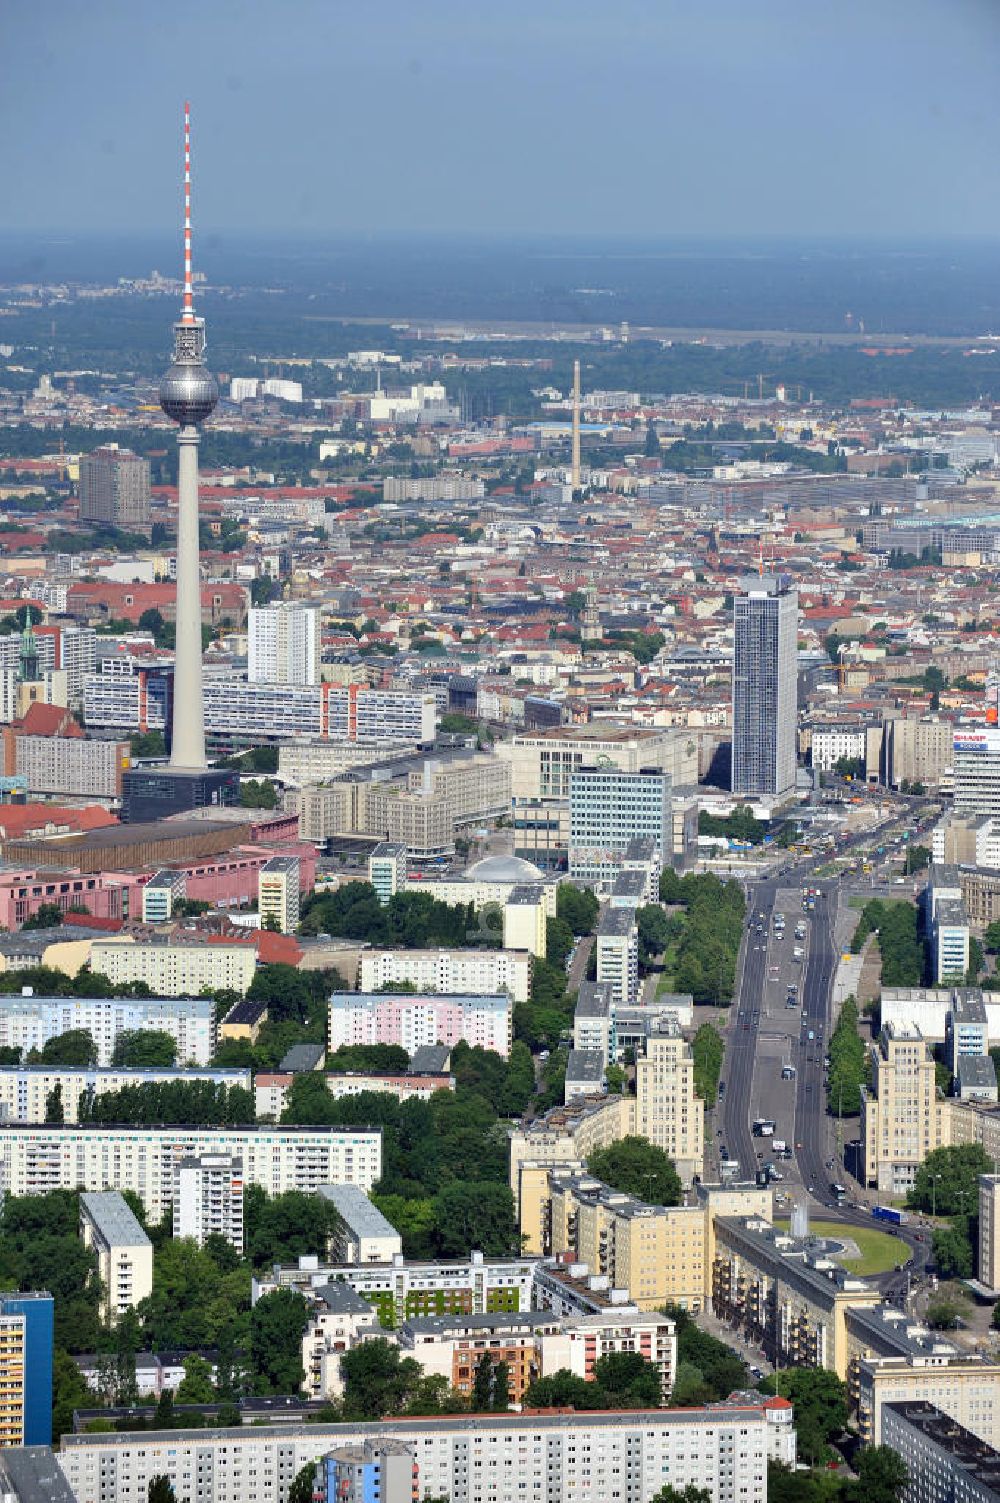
x,y
628,116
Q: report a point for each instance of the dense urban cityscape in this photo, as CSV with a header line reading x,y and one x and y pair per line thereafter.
x,y
499,878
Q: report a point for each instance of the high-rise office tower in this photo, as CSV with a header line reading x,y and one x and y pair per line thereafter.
x,y
976,762
283,644
114,489
188,395
765,695
608,809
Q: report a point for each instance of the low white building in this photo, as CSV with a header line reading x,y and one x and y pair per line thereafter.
x,y
25,1090
124,1252
558,1458
450,971
364,1234
832,743
34,1160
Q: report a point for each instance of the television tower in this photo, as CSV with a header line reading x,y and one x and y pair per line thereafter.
x,y
188,393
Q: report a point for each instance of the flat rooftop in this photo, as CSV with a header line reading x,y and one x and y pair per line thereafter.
x,y
357,1212
594,999
972,1457
800,1259
203,1006
636,1420
597,731
34,1475
892,1332
502,1320
113,1218
483,1001
585,1065
616,922
126,836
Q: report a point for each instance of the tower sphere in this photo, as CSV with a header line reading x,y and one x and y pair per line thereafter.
x,y
188,392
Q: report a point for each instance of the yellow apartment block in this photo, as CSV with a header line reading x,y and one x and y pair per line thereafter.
x,y
902,1120
783,1297
569,1134
660,1254
667,1111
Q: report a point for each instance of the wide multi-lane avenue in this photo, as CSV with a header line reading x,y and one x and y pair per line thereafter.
x,y
777,1038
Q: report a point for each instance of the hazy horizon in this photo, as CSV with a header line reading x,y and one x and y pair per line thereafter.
x,y
320,118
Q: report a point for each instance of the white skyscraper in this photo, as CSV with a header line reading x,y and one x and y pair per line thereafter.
x,y
284,644
765,691
208,1198
976,761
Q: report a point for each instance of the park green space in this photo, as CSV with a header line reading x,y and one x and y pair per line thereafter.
x,y
880,1251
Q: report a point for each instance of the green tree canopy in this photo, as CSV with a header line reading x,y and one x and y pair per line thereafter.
x,y
196,1385
707,1049
388,1059
303,1486
848,1063
73,1049
899,941
147,1048
953,1254
707,1365
947,1182
558,941
283,1228
628,1380
40,1248
193,1302
46,916
578,907
655,931
637,1167
198,1102
277,1323
474,1214
883,1476
378,1381
820,1400
710,934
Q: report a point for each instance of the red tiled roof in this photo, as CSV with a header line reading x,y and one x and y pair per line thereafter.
x,y
50,720
17,820
273,948
91,921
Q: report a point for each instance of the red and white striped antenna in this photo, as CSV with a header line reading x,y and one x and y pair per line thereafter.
x,y
187,317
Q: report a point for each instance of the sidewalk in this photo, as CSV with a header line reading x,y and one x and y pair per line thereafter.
x,y
751,1355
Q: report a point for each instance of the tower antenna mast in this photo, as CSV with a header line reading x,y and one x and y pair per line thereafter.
x,y
187,316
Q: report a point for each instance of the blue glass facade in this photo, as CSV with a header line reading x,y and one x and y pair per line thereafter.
x,y
37,1310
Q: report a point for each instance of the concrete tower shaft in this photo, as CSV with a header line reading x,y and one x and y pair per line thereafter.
x,y
188,394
